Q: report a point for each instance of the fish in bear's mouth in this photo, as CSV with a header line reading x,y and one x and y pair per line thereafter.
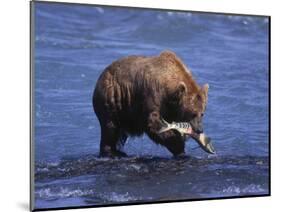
x,y
185,128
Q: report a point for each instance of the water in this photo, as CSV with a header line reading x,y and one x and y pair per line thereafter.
x,y
73,44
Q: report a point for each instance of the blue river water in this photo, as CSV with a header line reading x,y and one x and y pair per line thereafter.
x,y
73,45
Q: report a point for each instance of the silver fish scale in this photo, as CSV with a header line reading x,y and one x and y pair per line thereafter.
x,y
182,125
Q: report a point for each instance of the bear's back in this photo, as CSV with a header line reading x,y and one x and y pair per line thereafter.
x,y
166,66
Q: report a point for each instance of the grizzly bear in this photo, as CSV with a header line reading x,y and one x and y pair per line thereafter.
x,y
135,93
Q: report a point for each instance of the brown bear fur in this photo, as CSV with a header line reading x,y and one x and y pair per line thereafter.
x,y
135,92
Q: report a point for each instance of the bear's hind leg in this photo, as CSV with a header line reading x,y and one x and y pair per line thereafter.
x,y
110,136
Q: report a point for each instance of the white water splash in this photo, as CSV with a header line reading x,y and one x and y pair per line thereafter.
x,y
252,188
115,197
48,193
62,192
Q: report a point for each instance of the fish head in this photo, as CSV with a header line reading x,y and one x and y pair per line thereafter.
x,y
196,131
205,143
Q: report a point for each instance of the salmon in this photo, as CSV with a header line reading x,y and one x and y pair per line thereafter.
x,y
185,128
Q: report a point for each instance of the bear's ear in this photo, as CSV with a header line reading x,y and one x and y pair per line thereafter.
x,y
178,93
181,89
205,89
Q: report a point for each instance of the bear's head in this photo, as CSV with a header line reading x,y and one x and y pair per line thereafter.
x,y
192,101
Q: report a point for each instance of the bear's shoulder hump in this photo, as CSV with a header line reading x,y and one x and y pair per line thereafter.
x,y
168,53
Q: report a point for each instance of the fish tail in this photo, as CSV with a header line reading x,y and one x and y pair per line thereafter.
x,y
165,122
164,128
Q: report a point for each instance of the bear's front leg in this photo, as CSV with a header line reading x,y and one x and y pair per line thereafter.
x,y
173,141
